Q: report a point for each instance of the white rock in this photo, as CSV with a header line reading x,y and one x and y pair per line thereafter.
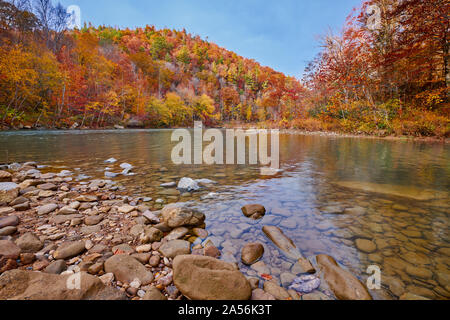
x,y
211,195
126,166
111,174
107,278
111,160
135,284
188,184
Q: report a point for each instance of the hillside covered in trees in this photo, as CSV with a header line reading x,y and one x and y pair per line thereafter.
x,y
386,73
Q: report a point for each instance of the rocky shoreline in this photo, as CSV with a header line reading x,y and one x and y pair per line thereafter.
x,y
63,239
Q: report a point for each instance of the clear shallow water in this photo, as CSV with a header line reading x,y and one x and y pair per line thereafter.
x,y
307,199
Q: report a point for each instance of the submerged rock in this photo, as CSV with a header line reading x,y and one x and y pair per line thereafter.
x,y
205,278
343,284
305,284
254,211
395,190
251,253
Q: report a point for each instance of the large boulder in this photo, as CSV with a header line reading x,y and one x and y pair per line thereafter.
x,y
344,285
174,248
205,278
8,191
178,216
29,243
127,269
28,285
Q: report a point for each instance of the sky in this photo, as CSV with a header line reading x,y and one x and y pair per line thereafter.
x,y
281,34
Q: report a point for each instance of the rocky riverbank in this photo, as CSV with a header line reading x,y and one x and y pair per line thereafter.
x,y
65,239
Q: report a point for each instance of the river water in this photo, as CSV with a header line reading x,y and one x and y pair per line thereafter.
x,y
331,194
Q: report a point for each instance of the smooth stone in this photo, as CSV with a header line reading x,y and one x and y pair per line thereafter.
x,y
9,250
6,210
276,291
56,267
419,272
251,253
260,267
343,284
153,294
126,269
206,278
9,221
365,245
254,211
67,210
261,295
93,220
69,250
7,231
46,209
29,243
173,248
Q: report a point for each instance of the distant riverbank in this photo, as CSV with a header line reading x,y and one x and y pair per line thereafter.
x,y
336,134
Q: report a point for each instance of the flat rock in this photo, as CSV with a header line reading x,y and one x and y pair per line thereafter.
x,y
126,269
27,285
46,209
205,278
64,218
8,191
126,209
173,248
10,221
86,198
177,233
343,284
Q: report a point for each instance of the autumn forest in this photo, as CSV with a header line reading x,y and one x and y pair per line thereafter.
x,y
387,72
